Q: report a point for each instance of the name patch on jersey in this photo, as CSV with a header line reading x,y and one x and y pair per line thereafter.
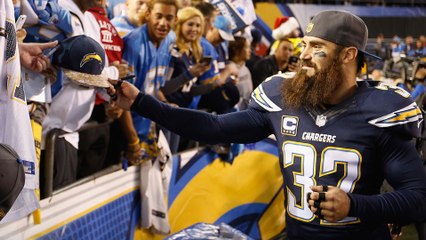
x,y
289,125
318,137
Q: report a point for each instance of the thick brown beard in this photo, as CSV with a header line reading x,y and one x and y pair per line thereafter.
x,y
312,91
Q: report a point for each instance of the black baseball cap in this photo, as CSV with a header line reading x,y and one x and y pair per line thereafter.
x,y
12,178
342,28
82,59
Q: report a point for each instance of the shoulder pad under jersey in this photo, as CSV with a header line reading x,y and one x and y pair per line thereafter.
x,y
392,107
267,95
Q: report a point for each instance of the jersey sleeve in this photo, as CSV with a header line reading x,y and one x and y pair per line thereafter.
x,y
392,108
267,96
404,171
238,127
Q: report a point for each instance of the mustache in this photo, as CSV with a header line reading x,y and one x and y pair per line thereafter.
x,y
307,63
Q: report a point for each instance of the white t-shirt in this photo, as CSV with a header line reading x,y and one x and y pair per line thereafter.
x,y
72,106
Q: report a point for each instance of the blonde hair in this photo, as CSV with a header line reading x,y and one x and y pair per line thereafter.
x,y
184,15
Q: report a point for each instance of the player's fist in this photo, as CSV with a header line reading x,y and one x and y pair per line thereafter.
x,y
329,203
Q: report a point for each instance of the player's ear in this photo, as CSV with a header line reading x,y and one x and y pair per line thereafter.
x,y
349,54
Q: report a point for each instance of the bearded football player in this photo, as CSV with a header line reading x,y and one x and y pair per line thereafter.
x,y
338,138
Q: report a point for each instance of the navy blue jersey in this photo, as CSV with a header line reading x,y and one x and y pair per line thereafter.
x,y
354,145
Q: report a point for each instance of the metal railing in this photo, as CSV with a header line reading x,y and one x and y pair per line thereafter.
x,y
51,137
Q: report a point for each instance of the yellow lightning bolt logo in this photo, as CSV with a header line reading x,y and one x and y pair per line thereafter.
x,y
410,113
262,99
90,56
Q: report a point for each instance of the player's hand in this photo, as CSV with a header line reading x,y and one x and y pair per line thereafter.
x,y
124,92
333,204
31,55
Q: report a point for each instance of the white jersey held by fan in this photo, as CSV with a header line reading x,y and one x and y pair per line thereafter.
x,y
15,128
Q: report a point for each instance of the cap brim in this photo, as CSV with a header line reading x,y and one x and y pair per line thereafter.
x,y
88,80
369,55
226,36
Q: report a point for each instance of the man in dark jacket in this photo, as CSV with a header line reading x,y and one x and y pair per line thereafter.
x,y
273,64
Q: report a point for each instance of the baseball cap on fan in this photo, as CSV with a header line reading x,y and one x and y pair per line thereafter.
x,y
82,59
225,28
12,178
342,28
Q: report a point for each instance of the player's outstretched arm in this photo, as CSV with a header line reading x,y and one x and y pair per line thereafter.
x,y
239,127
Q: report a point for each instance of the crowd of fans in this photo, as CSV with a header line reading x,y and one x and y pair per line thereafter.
x,y
403,65
184,53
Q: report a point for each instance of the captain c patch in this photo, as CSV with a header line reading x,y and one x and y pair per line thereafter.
x,y
289,125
